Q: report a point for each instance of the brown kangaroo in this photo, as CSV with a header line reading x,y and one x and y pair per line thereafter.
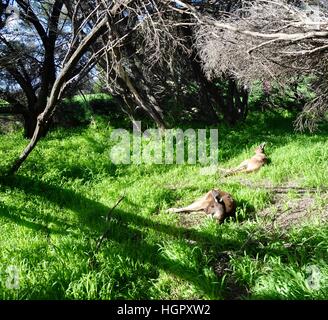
x,y
249,165
215,203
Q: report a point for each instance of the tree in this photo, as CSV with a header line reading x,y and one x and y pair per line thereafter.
x,y
68,72
270,41
29,58
158,62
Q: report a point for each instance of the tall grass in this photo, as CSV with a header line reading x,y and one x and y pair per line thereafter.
x,y
53,212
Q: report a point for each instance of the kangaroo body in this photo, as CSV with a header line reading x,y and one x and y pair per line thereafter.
x,y
249,165
216,203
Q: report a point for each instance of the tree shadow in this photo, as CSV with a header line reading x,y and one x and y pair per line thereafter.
x,y
88,210
130,230
125,228
16,216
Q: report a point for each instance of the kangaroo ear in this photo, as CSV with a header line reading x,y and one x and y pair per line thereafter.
x,y
262,145
215,195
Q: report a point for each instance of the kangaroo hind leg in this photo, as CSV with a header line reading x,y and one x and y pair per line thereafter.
x,y
198,205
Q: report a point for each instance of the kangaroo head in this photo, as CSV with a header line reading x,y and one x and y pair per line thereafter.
x,y
216,207
260,148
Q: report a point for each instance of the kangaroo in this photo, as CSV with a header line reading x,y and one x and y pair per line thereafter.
x,y
215,203
249,165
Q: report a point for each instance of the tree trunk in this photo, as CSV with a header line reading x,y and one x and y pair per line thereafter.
x,y
208,97
236,103
30,121
209,114
29,118
36,136
134,89
229,114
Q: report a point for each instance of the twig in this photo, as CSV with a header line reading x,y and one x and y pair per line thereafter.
x,y
303,52
104,235
112,209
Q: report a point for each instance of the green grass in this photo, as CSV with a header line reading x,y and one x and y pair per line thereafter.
x,y
53,212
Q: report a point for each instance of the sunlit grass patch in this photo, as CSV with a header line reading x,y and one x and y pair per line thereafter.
x,y
55,210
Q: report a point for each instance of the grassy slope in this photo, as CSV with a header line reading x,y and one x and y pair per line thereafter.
x,y
53,212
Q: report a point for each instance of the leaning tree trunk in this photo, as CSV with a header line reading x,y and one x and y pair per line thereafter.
x,y
56,91
150,108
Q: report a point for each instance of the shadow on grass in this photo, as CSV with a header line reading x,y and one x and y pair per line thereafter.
x,y
129,231
25,219
121,228
88,210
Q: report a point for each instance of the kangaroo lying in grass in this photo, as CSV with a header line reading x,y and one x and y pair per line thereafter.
x,y
215,203
249,165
